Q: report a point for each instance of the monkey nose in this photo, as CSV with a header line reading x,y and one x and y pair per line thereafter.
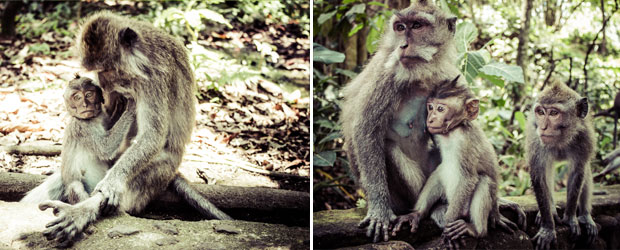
x,y
404,46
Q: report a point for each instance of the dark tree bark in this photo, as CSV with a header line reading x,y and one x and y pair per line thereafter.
x,y
8,18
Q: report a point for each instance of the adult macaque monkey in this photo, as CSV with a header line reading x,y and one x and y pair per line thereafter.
x,y
384,112
147,65
467,176
88,147
560,128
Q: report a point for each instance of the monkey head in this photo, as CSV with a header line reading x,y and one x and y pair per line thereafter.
x,y
83,98
559,113
448,106
421,31
108,44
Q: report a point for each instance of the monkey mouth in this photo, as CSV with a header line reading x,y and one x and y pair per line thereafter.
x,y
435,130
411,60
546,139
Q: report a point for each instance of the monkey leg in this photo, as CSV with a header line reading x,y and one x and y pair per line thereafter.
x,y
481,206
72,219
51,189
75,192
585,208
575,185
542,190
149,182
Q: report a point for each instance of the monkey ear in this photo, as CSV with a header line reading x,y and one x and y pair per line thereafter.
x,y
472,108
127,37
455,81
582,107
452,24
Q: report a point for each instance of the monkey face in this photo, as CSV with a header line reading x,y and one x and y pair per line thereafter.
x,y
447,113
550,121
421,31
83,99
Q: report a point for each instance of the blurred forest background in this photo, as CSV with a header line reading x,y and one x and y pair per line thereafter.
x,y
508,50
251,60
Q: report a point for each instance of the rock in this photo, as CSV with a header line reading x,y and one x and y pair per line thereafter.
x,y
122,230
166,228
390,245
21,226
229,229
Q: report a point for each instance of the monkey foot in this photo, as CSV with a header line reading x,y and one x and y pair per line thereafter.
x,y
413,219
507,204
506,224
453,243
458,229
545,238
573,223
591,228
71,222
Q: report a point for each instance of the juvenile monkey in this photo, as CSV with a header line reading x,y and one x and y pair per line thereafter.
x,y
467,176
384,111
147,65
88,148
560,128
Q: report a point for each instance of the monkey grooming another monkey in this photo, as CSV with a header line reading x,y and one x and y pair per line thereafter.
x,y
384,111
88,147
560,128
467,176
149,66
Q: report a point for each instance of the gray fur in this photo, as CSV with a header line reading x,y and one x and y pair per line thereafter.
x,y
576,145
145,64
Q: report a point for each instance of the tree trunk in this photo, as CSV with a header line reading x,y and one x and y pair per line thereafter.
x,y
602,49
8,18
524,39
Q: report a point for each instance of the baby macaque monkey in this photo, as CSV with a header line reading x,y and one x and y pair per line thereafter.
x,y
467,175
88,147
560,128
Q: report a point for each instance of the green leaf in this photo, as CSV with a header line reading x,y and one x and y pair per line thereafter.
x,y
510,73
359,8
520,117
325,55
213,16
355,29
326,16
377,24
324,159
348,73
472,63
379,4
493,79
466,32
330,137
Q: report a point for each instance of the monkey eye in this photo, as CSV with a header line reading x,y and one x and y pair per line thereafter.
x,y
89,94
440,109
554,113
430,107
77,97
540,112
416,25
400,27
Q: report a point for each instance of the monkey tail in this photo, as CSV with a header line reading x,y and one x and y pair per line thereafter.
x,y
50,189
196,200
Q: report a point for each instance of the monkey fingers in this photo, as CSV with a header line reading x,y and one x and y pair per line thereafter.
x,y
507,224
412,218
453,244
591,227
111,197
55,205
545,238
457,229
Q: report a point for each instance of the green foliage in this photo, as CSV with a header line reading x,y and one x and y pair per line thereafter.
x,y
186,19
38,21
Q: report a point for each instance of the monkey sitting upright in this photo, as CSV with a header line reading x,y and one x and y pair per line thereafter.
x,y
88,147
560,128
467,176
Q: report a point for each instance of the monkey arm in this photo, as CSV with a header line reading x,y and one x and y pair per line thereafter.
x,y
460,199
109,146
431,192
575,184
368,143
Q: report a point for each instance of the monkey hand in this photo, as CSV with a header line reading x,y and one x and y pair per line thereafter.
x,y
521,218
377,222
110,188
544,238
69,225
452,242
506,224
412,218
573,223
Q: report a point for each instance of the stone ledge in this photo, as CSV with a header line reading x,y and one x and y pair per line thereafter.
x,y
338,228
